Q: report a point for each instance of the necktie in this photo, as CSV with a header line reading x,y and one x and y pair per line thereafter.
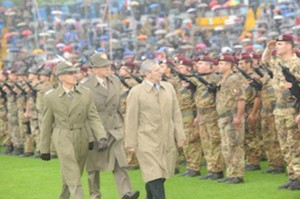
x,y
104,84
70,94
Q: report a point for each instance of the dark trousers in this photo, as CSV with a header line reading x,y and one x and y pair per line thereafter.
x,y
155,189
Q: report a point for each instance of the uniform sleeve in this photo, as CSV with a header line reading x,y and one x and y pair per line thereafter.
x,y
47,126
177,118
95,127
132,119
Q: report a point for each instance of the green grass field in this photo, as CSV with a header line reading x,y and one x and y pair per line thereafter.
x,y
28,178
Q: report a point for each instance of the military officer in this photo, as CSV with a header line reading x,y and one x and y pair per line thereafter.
x,y
106,92
67,110
285,111
230,105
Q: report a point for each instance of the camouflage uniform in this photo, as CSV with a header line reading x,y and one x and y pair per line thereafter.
x,y
268,128
13,127
252,144
3,120
191,148
209,131
232,139
35,133
131,157
285,114
21,103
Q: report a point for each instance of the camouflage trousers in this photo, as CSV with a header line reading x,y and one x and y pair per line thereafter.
x,y
192,146
289,140
232,146
209,133
270,142
252,141
3,130
13,129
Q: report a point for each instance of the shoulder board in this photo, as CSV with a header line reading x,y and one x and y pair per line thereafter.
x,y
49,91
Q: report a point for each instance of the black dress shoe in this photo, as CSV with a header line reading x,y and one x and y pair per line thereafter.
x,y
131,195
176,171
286,185
235,180
251,167
274,170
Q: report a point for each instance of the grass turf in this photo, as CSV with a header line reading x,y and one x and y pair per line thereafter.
x,y
29,178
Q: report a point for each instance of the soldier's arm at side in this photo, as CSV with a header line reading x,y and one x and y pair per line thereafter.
x,y
177,120
131,120
47,127
95,127
256,108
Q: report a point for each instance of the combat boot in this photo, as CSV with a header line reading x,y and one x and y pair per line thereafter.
x,y
27,154
274,170
18,151
251,167
286,185
9,149
295,185
235,180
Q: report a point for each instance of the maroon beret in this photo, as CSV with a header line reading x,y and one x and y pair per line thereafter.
x,y
186,62
285,37
227,57
256,55
204,58
84,68
245,56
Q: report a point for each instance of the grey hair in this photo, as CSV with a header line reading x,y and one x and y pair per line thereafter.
x,y
146,65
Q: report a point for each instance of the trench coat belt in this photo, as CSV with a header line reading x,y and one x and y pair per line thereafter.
x,y
285,105
206,110
71,126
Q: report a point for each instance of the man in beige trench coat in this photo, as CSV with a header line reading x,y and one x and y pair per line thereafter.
x,y
153,126
67,110
106,92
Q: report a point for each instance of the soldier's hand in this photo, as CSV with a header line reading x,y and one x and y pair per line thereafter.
x,y
271,44
102,144
252,118
131,149
237,122
196,122
180,143
45,156
91,145
298,121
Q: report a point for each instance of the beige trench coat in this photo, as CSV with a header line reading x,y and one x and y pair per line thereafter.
x,y
107,103
153,125
66,120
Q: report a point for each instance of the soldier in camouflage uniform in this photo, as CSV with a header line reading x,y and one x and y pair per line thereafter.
x,y
230,105
270,141
127,83
13,139
21,102
285,111
192,147
207,119
253,101
31,112
3,111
